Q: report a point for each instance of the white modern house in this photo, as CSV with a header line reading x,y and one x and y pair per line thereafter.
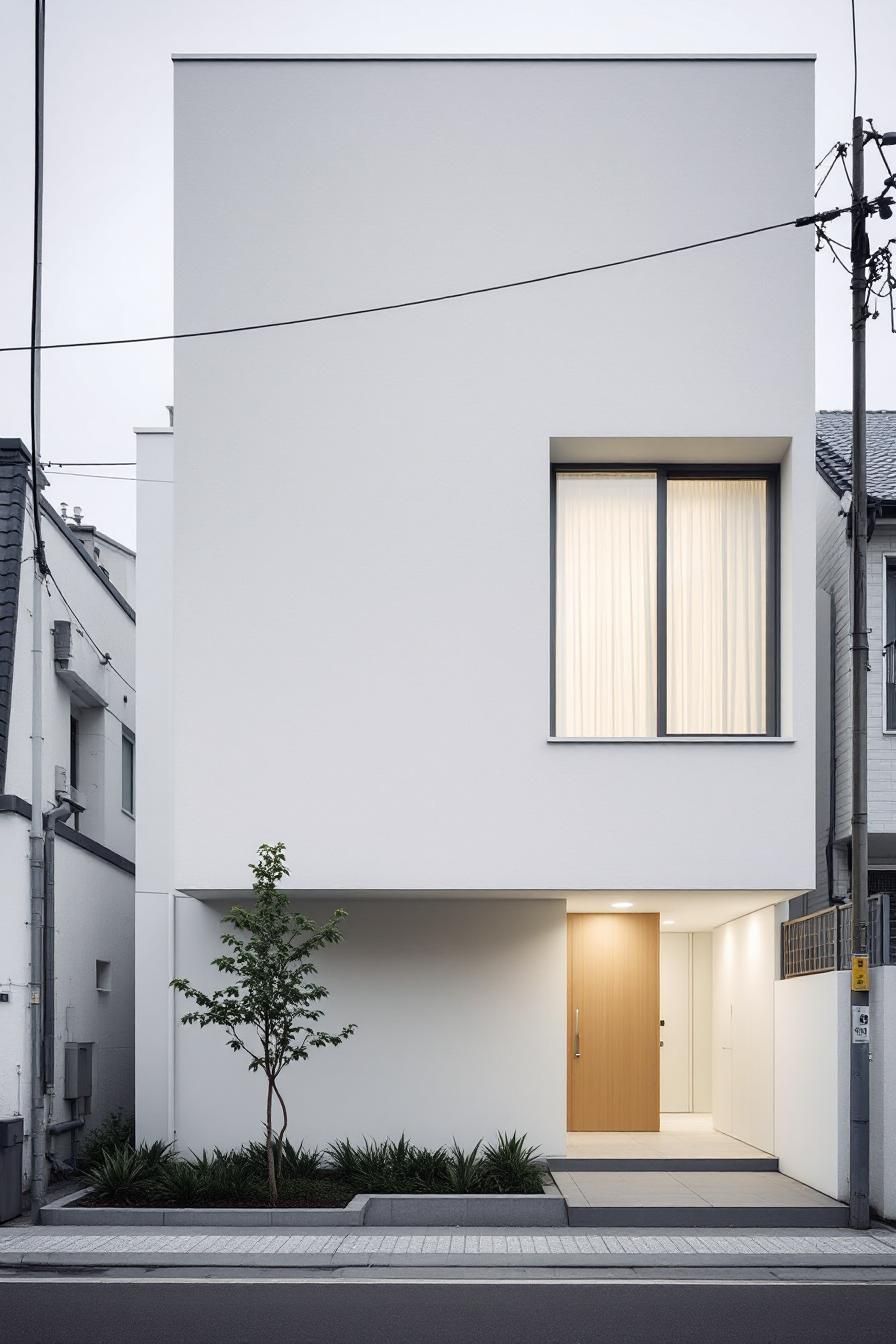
x,y
499,612
88,626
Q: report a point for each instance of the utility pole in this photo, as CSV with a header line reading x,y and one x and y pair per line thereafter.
x,y
859,969
38,1109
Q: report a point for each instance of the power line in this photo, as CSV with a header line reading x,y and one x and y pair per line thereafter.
x,y
412,303
102,652
841,152
102,476
37,229
93,464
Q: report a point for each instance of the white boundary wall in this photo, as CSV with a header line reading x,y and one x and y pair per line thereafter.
x,y
812,1080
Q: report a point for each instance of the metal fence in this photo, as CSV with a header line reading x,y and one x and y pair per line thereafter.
x,y
823,941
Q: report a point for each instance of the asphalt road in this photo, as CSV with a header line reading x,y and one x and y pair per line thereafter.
x,y
380,1312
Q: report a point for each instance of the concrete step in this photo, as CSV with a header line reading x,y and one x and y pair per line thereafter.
x,y
693,1198
763,1163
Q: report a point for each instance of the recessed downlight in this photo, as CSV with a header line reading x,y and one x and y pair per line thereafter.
x,y
668,921
621,905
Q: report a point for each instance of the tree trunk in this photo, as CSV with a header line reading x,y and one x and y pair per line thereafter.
x,y
269,1144
282,1134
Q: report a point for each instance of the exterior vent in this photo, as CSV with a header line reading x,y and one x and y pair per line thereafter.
x,y
78,666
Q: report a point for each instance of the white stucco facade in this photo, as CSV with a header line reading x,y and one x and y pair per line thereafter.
x,y
345,599
94,865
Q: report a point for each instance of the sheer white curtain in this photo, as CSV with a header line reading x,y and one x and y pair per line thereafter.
x,y
605,604
716,581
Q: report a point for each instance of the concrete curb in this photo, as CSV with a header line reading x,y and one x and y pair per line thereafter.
x,y
547,1210
163,1260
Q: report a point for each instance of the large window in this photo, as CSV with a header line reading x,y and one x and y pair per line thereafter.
x,y
665,602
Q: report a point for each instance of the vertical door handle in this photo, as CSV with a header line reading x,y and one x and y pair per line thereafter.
x,y
575,1046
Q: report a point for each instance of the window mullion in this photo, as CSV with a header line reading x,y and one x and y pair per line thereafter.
x,y
661,480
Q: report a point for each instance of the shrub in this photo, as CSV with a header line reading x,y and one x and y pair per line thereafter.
x,y
151,1172
121,1176
464,1170
300,1163
116,1131
510,1166
396,1166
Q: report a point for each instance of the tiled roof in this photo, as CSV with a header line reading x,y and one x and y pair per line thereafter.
x,y
833,452
13,483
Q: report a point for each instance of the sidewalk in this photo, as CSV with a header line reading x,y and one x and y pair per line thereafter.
x,y
437,1248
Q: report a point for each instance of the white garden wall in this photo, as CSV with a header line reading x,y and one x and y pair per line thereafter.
x,y
883,1090
812,1080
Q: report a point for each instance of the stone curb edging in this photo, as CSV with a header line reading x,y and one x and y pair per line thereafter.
x,y
547,1210
169,1260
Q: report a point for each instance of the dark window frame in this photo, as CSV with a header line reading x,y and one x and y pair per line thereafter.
x,y
664,472
74,758
889,694
128,736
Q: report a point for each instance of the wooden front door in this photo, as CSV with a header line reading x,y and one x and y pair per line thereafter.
x,y
613,1031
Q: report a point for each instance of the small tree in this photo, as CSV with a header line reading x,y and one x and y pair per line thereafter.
x,y
271,992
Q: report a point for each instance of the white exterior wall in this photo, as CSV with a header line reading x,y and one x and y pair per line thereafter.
x,y
15,955
743,1027
883,1090
381,632
345,623
833,568
154,901
881,744
834,577
812,1080
461,1013
94,897
113,629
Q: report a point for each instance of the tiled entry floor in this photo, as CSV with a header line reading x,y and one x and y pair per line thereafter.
x,y
680,1136
694,1198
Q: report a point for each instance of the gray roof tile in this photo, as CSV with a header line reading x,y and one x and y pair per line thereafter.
x,y
13,484
833,452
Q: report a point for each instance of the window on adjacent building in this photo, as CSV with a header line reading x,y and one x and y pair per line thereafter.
x,y
127,771
104,976
890,647
74,768
665,601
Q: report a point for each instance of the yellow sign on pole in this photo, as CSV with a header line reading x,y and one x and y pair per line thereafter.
x,y
861,978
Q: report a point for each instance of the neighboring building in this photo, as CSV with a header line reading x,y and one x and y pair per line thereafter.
x,y
89,747
834,492
828,930
499,611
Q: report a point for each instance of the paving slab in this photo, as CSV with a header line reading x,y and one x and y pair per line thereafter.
x,y
436,1247
688,1198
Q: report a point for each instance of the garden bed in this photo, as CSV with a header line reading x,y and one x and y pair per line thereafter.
x,y
150,1178
547,1209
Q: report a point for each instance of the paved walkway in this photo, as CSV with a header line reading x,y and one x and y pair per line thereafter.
x,y
46,1247
694,1198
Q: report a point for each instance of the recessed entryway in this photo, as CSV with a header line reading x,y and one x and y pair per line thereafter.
x,y
678,1137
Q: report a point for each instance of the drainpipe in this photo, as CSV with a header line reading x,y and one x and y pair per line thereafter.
x,y
172,1018
832,752
60,813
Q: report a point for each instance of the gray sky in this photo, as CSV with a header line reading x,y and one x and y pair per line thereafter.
x,y
107,229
